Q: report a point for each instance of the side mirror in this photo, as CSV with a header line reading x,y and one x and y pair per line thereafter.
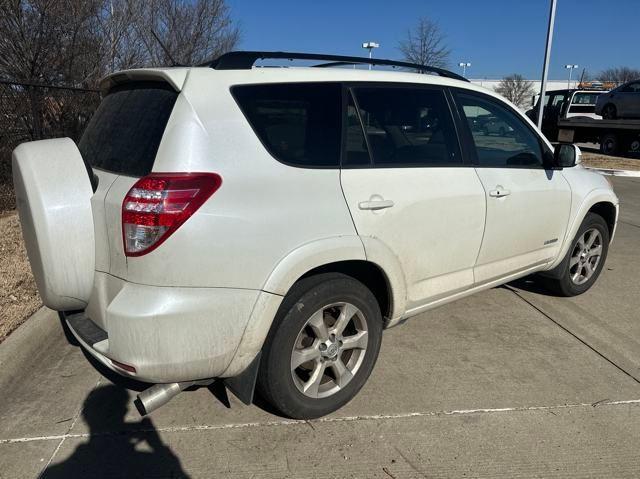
x,y
566,155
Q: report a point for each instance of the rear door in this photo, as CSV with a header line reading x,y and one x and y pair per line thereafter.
x,y
527,205
628,100
408,188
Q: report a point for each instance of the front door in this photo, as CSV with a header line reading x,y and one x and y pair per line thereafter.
x,y
408,189
528,206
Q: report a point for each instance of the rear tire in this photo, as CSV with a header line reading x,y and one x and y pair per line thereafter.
x,y
585,259
322,346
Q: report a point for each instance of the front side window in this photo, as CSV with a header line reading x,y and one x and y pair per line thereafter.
x,y
558,99
405,127
501,138
299,123
632,88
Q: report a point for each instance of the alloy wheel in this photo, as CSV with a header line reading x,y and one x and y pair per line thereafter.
x,y
329,350
585,257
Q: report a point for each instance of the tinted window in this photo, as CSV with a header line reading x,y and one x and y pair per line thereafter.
x,y
408,126
501,138
632,88
299,123
124,134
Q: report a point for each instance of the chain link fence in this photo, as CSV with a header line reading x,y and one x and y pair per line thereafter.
x,y
30,112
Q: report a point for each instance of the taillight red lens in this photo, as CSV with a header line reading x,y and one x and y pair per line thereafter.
x,y
158,204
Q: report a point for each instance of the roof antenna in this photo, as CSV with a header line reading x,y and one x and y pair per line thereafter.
x,y
166,51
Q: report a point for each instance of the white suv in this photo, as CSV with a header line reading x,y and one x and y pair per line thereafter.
x,y
241,222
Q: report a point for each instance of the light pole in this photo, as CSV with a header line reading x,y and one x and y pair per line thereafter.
x,y
570,68
547,55
464,66
370,46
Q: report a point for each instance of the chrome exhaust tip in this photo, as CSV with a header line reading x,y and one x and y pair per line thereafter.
x,y
158,395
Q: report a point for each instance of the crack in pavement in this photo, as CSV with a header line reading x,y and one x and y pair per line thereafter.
x,y
63,437
630,224
373,417
568,331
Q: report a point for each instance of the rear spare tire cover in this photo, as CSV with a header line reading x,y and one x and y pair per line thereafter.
x,y
53,194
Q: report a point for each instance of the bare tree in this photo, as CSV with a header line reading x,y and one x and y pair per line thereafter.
x,y
516,89
425,45
619,74
76,42
164,32
48,41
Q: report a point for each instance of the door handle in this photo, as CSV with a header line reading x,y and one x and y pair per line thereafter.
x,y
375,204
499,192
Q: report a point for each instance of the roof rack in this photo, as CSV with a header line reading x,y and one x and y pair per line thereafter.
x,y
244,60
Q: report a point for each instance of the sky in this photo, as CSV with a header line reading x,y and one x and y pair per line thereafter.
x,y
498,37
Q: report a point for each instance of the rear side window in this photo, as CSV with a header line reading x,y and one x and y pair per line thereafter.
x,y
299,123
405,127
124,134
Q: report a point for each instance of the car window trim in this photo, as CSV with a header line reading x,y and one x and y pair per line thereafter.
x,y
544,150
346,95
350,85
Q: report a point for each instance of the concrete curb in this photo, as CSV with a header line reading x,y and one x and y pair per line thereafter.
x,y
612,172
23,344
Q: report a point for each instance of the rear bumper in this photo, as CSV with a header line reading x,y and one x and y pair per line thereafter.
x,y
167,334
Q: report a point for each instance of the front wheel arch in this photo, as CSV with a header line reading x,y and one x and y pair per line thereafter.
x,y
607,211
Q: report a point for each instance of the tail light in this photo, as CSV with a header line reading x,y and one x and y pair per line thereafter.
x,y
158,204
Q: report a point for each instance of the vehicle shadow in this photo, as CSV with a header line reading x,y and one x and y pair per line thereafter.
x,y
532,284
115,448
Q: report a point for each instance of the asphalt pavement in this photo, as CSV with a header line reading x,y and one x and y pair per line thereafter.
x,y
512,382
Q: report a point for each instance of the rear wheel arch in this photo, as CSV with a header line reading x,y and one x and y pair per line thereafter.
x,y
366,272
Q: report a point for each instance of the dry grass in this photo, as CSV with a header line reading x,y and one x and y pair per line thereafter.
x,y
597,160
18,294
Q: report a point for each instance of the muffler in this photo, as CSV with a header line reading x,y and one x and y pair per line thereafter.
x,y
158,395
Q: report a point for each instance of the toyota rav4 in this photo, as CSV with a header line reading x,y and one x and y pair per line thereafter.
x,y
265,225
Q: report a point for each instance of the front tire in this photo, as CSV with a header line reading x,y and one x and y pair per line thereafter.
x,y
609,112
322,346
585,259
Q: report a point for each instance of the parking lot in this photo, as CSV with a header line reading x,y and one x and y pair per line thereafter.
x,y
511,382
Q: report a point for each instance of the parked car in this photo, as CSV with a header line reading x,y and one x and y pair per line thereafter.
x,y
497,126
563,104
621,102
221,223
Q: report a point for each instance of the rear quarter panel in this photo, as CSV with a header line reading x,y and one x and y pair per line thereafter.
x,y
263,210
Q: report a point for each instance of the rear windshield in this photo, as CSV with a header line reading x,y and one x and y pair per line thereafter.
x,y
585,98
299,123
124,134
